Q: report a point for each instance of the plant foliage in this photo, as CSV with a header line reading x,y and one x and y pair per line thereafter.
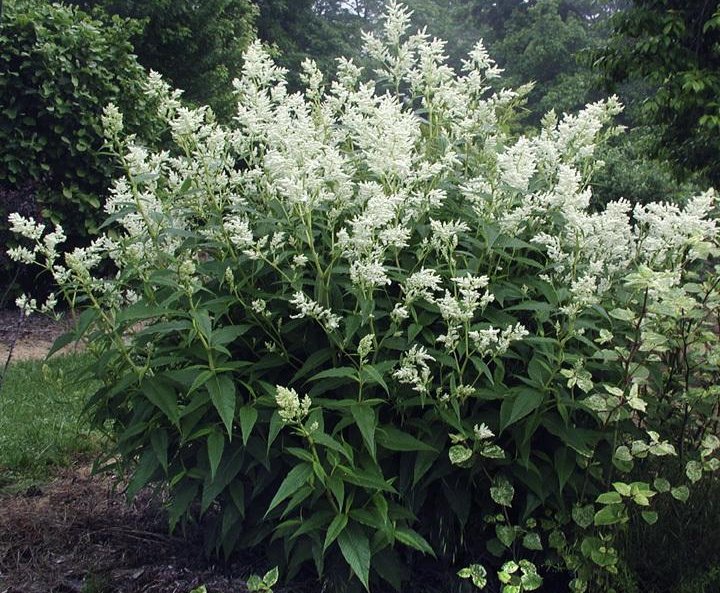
x,y
365,322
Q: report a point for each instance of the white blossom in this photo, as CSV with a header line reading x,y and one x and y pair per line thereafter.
x,y
26,304
291,407
422,284
414,369
309,308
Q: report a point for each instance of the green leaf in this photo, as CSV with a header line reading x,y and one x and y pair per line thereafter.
x,y
355,547
227,334
476,573
681,493
623,488
564,465
222,393
694,471
519,405
661,485
531,581
327,441
365,478
604,557
650,517
366,421
622,314
271,577
396,440
162,396
61,342
336,373
412,538
248,418
583,516
315,522
610,515
140,311
296,477
254,584
459,454
159,443
337,488
372,375
531,541
274,429
203,322
609,498
502,492
215,447
336,527
143,473
506,534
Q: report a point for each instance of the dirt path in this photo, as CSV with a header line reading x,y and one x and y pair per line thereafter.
x,y
33,336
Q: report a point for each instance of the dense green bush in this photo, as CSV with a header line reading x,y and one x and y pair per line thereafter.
x,y
628,171
197,46
58,69
366,323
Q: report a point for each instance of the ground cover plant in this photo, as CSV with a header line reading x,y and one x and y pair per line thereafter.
x,y
365,322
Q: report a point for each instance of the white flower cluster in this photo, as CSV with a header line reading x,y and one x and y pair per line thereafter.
x,y
414,369
312,309
493,341
291,407
458,311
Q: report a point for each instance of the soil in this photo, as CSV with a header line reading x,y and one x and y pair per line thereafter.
x,y
30,337
78,534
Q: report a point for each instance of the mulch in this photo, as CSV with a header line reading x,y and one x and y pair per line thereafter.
x,y
78,534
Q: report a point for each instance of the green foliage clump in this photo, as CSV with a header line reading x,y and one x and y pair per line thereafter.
x,y
197,46
58,70
366,323
628,171
673,46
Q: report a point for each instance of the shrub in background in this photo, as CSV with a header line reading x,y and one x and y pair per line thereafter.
x,y
197,46
629,172
366,322
58,69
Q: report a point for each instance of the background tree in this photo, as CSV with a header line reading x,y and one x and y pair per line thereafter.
x,y
674,47
197,46
299,29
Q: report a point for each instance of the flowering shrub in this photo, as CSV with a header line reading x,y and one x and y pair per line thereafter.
x,y
365,320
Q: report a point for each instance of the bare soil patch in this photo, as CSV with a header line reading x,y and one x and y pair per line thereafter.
x,y
31,337
78,534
